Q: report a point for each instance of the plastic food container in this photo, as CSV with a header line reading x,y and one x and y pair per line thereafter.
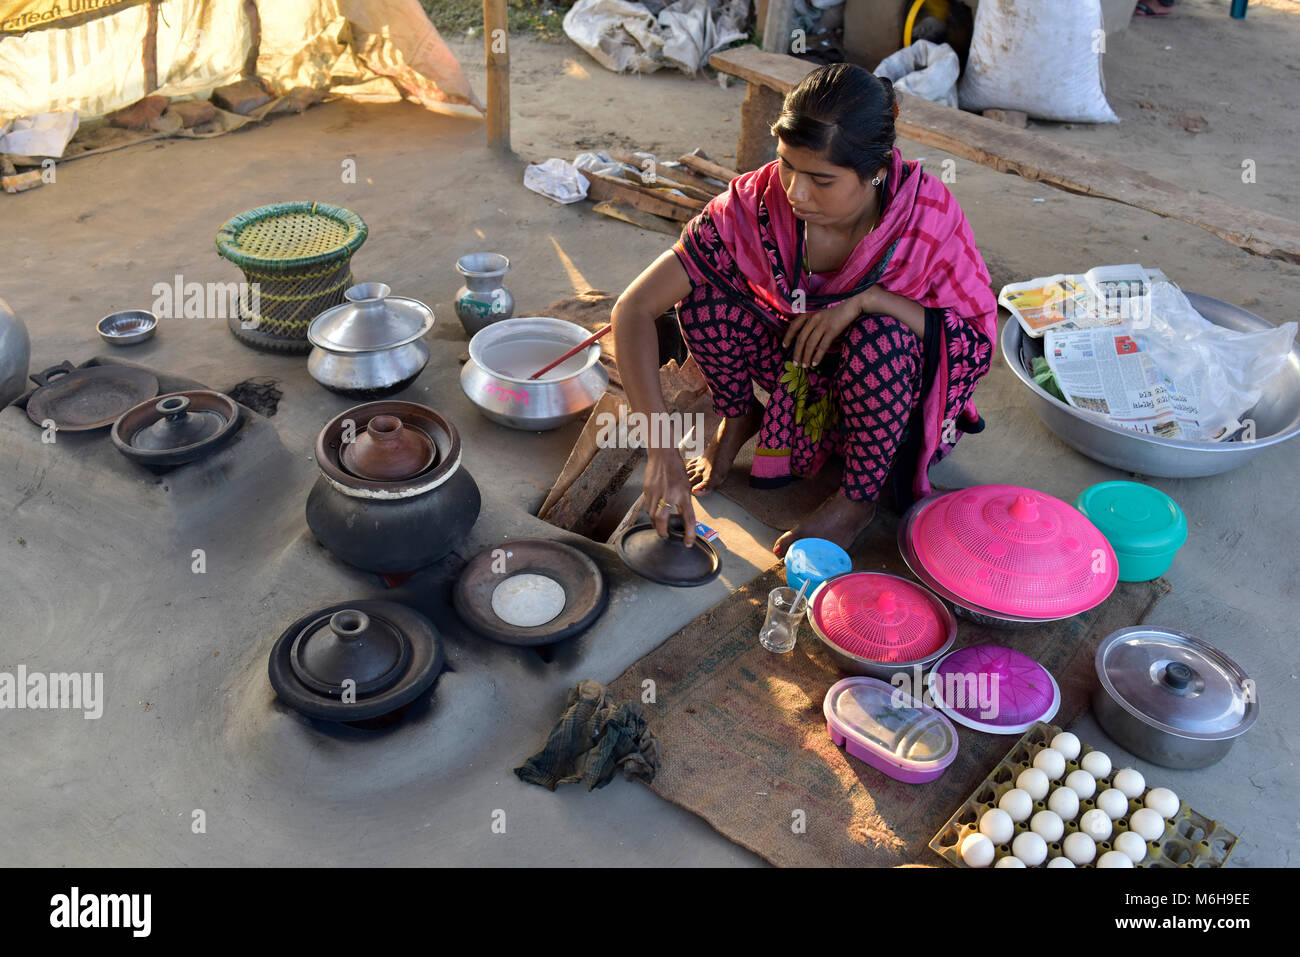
x,y
814,560
903,738
1143,524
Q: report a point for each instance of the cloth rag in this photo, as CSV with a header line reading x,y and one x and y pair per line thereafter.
x,y
594,738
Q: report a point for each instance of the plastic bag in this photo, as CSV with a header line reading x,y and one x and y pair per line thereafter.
x,y
1043,59
624,36
557,180
1226,369
925,69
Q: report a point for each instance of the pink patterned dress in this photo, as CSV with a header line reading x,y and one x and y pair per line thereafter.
x,y
890,403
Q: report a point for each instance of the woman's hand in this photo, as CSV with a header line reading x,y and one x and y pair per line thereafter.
x,y
666,481
813,333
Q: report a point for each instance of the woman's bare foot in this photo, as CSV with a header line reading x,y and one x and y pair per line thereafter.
x,y
838,519
706,472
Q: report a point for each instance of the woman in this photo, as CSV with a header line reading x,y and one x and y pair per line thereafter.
x,y
843,281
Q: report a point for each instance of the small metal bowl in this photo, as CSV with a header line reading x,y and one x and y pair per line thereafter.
x,y
127,328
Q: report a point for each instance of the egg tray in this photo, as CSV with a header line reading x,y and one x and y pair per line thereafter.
x,y
1190,839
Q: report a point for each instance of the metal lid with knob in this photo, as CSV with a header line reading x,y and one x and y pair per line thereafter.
x,y
1177,683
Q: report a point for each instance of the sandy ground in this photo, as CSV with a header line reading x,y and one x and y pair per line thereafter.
x,y
85,581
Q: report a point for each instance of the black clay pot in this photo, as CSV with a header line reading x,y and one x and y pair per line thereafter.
x,y
397,525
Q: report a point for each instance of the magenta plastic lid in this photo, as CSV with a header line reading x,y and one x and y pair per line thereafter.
x,y
1013,551
993,689
890,724
881,617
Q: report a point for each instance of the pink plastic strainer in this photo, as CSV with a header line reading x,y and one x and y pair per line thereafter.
x,y
1014,551
880,617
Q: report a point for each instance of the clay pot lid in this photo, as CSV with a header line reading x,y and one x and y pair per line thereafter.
x,y
177,426
370,320
388,450
392,653
667,560
331,444
530,592
349,645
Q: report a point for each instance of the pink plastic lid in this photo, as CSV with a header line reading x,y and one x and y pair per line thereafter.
x,y
994,689
880,617
1014,551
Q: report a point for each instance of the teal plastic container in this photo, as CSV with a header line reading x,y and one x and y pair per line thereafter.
x,y
1143,524
816,560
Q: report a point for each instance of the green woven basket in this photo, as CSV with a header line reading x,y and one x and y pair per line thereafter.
x,y
297,256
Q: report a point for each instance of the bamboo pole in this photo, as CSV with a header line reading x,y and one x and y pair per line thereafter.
x,y
497,42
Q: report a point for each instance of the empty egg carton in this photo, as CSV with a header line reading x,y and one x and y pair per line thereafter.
x,y
1190,839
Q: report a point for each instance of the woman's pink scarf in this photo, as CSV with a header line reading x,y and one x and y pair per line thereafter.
x,y
933,260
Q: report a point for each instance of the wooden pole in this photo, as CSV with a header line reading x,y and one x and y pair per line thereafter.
x,y
497,42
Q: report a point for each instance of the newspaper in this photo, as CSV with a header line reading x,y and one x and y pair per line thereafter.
x,y
1105,370
1103,296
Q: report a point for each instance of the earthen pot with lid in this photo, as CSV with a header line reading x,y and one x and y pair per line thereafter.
x,y
415,514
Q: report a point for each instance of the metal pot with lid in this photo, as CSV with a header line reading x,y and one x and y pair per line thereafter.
x,y
1170,698
371,345
390,512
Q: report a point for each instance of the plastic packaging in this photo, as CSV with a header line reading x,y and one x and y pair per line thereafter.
x,y
925,69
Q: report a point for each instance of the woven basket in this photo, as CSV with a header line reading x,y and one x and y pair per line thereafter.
x,y
299,256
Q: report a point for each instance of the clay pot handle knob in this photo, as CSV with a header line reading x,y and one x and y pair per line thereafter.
x,y
349,624
174,407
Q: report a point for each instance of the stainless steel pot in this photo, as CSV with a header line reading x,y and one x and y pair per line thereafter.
x,y
15,354
1171,699
369,346
884,670
504,354
1276,415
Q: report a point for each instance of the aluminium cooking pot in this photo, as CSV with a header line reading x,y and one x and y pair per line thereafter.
x,y
1171,699
370,346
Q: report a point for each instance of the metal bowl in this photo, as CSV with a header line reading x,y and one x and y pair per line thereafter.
x,y
872,667
962,606
504,354
1276,415
127,328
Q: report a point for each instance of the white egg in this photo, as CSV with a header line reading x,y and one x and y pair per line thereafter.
x,y
1067,744
1096,824
1164,802
1132,845
1083,784
1009,861
1034,783
1018,804
1047,825
1115,859
1130,782
1096,763
1147,823
997,826
1030,848
1114,803
1060,862
977,850
1051,763
1079,848
1065,802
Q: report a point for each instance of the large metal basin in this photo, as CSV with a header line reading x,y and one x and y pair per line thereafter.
x,y
504,354
1276,416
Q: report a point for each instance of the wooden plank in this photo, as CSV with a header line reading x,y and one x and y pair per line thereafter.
x,y
777,23
1040,159
708,168
584,450
579,508
602,189
705,184
497,42
630,214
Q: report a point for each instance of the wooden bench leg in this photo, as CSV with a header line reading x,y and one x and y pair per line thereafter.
x,y
757,145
